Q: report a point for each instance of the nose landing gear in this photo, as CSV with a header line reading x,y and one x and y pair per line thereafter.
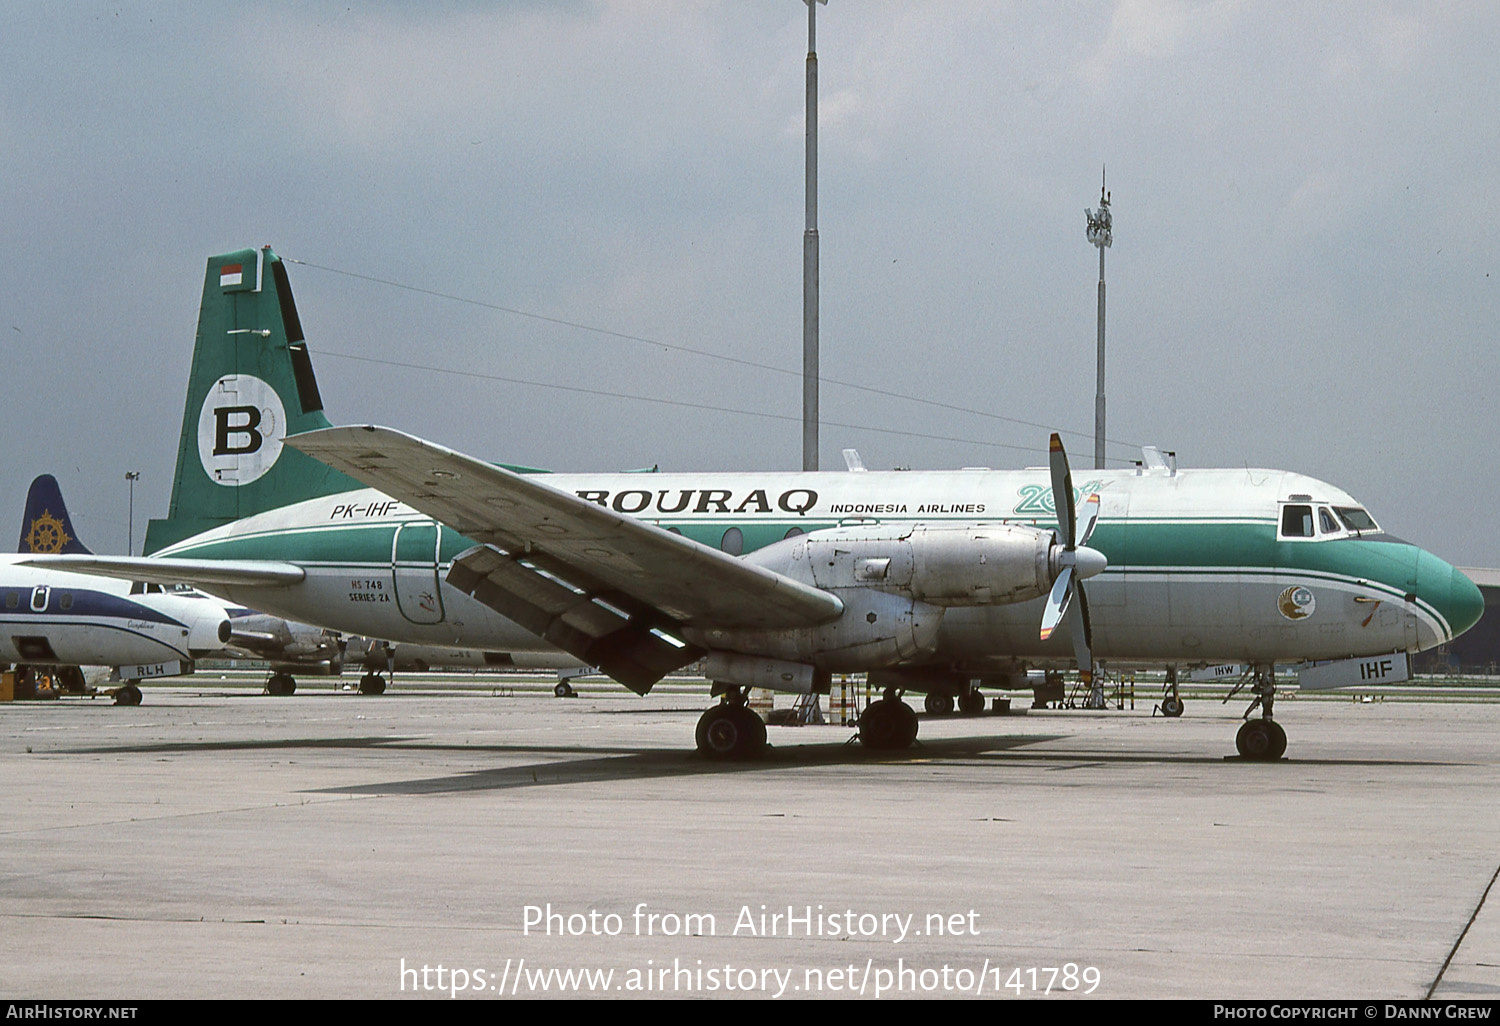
x,y
1260,740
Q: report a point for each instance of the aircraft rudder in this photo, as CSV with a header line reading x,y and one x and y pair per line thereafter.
x,y
46,526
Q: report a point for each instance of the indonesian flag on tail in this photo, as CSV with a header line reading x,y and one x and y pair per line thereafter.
x,y
231,275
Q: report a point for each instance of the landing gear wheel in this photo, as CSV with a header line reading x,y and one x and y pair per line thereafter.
x,y
1278,739
971,703
372,684
564,690
281,684
1171,706
730,732
938,703
887,725
1261,740
128,695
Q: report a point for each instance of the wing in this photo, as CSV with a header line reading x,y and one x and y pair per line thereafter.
x,y
205,572
603,586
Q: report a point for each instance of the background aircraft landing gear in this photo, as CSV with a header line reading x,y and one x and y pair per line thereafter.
x,y
281,684
938,703
372,684
888,724
731,730
971,703
128,695
1262,740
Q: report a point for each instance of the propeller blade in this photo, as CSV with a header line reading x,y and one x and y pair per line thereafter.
x,y
1083,635
1057,602
1088,518
1062,491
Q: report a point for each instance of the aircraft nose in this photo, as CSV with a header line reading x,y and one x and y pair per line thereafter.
x,y
1445,590
1465,602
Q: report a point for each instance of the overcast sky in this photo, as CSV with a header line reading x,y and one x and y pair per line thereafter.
x,y
1304,273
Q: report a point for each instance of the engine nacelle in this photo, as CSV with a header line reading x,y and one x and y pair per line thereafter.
x,y
875,629
208,627
963,564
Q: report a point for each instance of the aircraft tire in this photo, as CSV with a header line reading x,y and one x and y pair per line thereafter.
x,y
971,703
1256,741
906,726
128,695
372,684
1278,740
281,684
1171,706
887,725
728,732
938,703
564,690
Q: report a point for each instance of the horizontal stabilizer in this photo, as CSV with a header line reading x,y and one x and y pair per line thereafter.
x,y
203,572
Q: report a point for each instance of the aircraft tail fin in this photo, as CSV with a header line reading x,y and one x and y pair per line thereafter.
x,y
251,385
46,526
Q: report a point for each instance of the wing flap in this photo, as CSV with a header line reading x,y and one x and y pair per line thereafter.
x,y
631,649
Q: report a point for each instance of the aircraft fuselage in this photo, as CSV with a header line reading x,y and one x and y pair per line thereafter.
x,y
1205,566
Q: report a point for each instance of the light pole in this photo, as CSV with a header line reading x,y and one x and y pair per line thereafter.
x,y
810,256
131,477
1101,234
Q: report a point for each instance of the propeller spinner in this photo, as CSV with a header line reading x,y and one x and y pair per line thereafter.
x,y
1073,561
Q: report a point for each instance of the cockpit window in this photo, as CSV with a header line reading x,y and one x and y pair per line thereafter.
x,y
1356,519
1297,522
1326,523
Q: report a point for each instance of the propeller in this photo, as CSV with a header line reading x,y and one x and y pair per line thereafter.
x,y
1072,560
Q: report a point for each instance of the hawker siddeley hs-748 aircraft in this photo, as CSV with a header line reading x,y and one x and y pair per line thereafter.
x,y
922,580
63,621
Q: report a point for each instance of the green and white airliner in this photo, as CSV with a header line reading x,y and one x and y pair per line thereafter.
x,y
926,581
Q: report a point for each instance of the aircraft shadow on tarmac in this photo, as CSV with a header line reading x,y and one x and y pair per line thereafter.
x,y
596,764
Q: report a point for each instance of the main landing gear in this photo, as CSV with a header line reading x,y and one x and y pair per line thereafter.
x,y
281,684
372,684
1171,701
130,694
940,703
1261,740
731,730
888,724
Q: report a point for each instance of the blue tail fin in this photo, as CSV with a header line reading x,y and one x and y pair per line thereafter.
x,y
46,527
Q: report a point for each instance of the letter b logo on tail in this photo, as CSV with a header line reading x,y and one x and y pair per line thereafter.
x,y
240,429
231,425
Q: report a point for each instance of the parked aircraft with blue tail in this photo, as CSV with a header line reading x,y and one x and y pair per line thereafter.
x,y
926,581
62,620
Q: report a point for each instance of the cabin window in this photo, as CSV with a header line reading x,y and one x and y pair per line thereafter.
x,y
12,599
65,601
1297,522
1326,523
39,599
733,541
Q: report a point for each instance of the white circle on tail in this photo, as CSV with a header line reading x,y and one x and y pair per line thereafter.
x,y
240,429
